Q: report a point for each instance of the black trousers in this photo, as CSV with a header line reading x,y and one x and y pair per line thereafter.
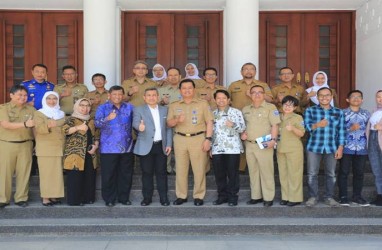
x,y
154,162
116,176
226,169
80,185
357,163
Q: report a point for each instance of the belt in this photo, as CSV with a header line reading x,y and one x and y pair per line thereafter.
x,y
16,141
254,142
190,135
157,142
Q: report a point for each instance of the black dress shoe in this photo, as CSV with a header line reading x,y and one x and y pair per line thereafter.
x,y
232,203
253,202
220,201
292,204
22,203
3,204
110,204
48,204
268,203
165,203
55,202
283,202
126,203
145,202
198,202
179,201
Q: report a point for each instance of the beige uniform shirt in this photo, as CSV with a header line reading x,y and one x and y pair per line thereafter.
x,y
282,90
197,113
77,92
289,142
208,92
170,91
12,113
238,92
101,98
137,98
259,120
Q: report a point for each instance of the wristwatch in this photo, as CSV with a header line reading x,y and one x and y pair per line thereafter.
x,y
209,138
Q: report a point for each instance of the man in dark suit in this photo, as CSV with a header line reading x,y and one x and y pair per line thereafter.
x,y
153,145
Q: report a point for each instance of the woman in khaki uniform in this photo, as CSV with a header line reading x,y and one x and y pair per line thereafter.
x,y
320,80
49,148
290,153
79,155
192,72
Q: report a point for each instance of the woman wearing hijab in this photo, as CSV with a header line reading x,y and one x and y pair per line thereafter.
x,y
50,142
192,72
320,80
79,154
374,142
160,75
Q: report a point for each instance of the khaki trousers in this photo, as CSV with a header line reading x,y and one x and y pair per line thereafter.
x,y
16,160
261,172
189,149
51,176
291,167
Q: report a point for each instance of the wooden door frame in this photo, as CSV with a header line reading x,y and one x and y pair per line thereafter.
x,y
123,49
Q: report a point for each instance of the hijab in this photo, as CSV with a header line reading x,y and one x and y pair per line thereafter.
x,y
155,78
76,110
52,112
196,75
316,87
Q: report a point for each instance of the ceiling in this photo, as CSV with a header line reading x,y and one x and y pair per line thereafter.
x,y
185,4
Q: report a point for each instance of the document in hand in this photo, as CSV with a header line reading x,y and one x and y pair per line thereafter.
x,y
263,139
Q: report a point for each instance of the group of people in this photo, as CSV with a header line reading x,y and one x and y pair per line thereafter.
x,y
67,127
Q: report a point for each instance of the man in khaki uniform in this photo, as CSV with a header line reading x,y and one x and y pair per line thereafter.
x,y
16,146
262,119
135,86
192,120
210,75
170,92
240,96
100,94
167,95
70,91
286,87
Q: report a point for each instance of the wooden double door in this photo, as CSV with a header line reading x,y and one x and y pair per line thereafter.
x,y
308,42
54,39
172,39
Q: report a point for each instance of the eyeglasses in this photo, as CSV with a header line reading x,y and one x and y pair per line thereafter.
x,y
287,105
210,75
257,92
250,69
355,97
140,68
325,96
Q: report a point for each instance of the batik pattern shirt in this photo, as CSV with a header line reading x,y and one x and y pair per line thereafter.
x,y
226,140
356,141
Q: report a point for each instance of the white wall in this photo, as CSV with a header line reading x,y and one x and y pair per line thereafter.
x,y
369,51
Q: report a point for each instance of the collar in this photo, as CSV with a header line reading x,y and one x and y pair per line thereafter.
x,y
263,104
193,100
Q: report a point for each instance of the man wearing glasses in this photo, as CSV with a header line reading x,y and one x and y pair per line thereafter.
x,y
210,75
261,119
136,85
288,87
326,126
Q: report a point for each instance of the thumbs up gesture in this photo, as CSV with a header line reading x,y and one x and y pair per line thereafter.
x,y
112,115
289,127
83,127
142,126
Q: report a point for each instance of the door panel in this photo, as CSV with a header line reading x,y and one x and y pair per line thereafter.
x,y
63,40
314,41
20,50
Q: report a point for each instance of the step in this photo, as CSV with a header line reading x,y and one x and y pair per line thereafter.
x,y
195,226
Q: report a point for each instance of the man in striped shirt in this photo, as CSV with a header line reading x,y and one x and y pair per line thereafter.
x,y
326,126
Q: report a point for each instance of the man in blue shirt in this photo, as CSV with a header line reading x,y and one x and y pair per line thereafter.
x,y
355,149
114,119
326,126
38,86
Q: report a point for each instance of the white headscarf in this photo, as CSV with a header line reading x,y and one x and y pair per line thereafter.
x,y
316,87
196,75
155,78
52,112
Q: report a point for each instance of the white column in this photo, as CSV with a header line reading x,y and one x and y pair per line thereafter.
x,y
100,34
241,36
